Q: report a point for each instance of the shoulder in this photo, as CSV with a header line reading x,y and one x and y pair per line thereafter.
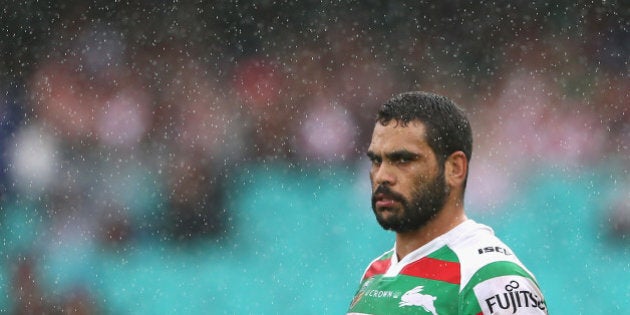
x,y
480,252
492,276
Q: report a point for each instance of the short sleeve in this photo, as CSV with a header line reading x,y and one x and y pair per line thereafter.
x,y
502,288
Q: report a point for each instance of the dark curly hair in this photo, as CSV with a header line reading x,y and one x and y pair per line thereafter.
x,y
447,127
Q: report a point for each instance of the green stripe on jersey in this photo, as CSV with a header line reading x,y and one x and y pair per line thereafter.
x,y
498,269
445,253
387,255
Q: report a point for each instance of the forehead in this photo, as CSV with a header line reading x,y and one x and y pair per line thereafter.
x,y
395,137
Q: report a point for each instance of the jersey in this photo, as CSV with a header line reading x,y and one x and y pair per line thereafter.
x,y
467,270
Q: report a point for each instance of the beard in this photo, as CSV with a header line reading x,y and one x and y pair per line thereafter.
x,y
425,203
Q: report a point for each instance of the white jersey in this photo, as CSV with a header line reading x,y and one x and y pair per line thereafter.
x,y
467,270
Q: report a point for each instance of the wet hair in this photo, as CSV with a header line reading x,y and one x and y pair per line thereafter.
x,y
447,127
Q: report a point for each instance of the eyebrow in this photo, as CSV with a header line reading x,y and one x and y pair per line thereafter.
x,y
395,155
401,154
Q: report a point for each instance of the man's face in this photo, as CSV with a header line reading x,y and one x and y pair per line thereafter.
x,y
408,186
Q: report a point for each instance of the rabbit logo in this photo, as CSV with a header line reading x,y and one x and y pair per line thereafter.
x,y
413,297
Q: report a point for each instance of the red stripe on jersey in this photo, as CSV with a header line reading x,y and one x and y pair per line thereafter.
x,y
435,269
378,267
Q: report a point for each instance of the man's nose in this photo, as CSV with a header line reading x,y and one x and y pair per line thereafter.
x,y
383,174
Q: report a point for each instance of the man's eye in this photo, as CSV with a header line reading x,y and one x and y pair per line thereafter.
x,y
375,160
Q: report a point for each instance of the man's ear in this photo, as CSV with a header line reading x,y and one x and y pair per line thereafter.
x,y
455,169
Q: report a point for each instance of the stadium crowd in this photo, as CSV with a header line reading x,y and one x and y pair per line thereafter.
x,y
128,124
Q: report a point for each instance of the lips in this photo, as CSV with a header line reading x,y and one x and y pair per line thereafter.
x,y
384,201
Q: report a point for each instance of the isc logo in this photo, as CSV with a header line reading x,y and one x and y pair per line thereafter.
x,y
495,249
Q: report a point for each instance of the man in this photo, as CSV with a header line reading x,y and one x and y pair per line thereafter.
x,y
442,262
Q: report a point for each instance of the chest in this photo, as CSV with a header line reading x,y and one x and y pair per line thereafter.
x,y
404,294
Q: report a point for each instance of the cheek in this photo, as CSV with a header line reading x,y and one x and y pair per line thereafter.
x,y
423,175
414,182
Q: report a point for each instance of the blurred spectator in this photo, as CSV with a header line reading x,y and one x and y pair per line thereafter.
x,y
269,110
124,118
26,289
619,219
65,100
196,207
10,117
79,301
327,134
34,159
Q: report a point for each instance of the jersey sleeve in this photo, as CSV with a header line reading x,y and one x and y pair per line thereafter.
x,y
502,287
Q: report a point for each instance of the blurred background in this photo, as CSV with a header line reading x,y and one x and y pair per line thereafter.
x,y
162,157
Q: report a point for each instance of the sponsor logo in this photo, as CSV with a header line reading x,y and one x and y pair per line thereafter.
x,y
382,294
413,297
514,299
373,293
494,249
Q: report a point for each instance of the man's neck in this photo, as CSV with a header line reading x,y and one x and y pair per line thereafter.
x,y
444,221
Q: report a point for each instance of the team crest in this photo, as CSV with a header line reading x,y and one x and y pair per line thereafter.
x,y
360,294
413,297
356,299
